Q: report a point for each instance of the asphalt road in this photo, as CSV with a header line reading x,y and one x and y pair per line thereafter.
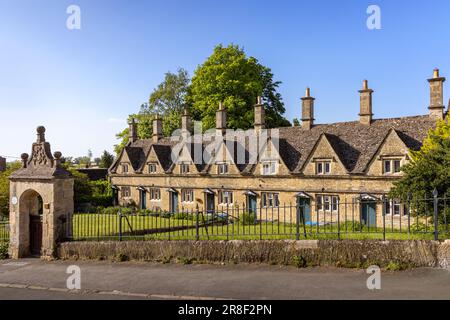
x,y
35,279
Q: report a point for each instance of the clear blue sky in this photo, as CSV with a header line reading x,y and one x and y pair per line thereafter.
x,y
82,84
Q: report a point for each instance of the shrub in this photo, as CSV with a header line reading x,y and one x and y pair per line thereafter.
x,y
184,216
299,261
185,260
4,250
248,219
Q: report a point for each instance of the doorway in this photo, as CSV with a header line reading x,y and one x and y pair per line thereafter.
x,y
210,203
304,209
32,206
142,199
173,202
368,213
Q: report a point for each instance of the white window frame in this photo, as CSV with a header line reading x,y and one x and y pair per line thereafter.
x,y
327,203
125,192
323,167
152,166
391,206
269,168
392,166
184,168
155,194
222,168
187,195
226,197
270,199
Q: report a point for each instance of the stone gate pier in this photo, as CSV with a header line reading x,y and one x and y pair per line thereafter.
x,y
41,202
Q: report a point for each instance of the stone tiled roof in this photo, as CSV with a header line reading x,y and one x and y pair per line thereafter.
x,y
354,143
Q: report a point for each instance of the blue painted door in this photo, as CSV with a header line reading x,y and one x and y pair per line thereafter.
x,y
369,213
210,203
304,205
173,202
252,204
143,199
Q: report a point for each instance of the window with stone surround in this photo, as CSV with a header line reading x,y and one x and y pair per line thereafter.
x,y
394,207
225,197
222,168
269,168
391,166
184,168
155,194
270,200
124,167
327,203
323,167
125,192
187,195
152,168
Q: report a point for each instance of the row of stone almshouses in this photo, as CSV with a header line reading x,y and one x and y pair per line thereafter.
x,y
324,169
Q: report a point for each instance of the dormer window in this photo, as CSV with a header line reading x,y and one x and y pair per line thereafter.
x,y
269,168
391,166
184,168
222,168
152,167
125,168
323,167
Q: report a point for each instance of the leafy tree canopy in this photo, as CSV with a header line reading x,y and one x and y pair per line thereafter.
x,y
429,167
229,76
4,186
106,160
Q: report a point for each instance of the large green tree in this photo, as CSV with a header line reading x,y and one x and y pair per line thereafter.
x,y
231,77
4,186
429,169
167,100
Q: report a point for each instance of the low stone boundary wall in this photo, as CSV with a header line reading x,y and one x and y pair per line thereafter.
x,y
345,253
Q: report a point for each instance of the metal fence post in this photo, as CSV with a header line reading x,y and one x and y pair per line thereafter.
x,y
297,223
197,237
436,216
383,198
120,225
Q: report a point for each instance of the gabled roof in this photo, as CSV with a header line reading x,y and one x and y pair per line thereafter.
x,y
354,143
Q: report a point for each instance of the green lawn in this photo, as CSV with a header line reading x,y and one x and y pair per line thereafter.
x,y
94,226
4,233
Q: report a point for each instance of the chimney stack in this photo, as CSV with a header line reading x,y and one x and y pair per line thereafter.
x,y
307,111
133,130
221,120
365,109
260,115
436,96
186,124
157,129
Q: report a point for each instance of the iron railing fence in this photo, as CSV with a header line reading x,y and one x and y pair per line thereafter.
x,y
4,230
328,219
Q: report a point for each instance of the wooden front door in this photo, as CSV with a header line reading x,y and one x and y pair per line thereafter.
x,y
35,234
369,213
304,207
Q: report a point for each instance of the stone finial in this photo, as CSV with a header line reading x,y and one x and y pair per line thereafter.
x,y
40,134
221,105
307,110
57,155
24,158
365,107
259,100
